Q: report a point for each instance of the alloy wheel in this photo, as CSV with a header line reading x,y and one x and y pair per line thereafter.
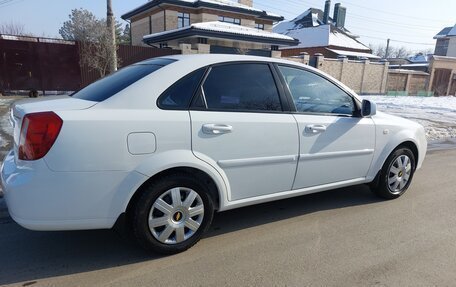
x,y
176,215
399,174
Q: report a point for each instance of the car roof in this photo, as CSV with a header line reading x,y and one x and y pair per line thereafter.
x,y
221,58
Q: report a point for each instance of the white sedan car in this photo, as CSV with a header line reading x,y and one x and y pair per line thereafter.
x,y
162,144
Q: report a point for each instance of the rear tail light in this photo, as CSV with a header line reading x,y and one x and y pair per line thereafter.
x,y
38,133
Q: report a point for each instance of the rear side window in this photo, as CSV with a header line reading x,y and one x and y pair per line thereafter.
x,y
114,83
241,87
179,95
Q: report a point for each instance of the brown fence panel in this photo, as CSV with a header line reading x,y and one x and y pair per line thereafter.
x,y
27,65
128,55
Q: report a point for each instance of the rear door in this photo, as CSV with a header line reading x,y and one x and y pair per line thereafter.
x,y
238,124
336,144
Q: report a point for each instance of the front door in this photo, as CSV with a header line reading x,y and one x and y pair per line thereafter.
x,y
335,144
238,125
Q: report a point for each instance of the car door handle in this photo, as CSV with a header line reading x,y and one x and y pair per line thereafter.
x,y
217,129
315,129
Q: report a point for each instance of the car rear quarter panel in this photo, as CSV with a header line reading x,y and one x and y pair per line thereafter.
x,y
96,139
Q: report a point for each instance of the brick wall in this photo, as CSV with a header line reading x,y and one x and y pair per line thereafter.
x,y
139,28
410,82
158,22
364,77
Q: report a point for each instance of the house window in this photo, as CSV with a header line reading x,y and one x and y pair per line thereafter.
x,y
202,40
230,20
183,20
259,26
441,48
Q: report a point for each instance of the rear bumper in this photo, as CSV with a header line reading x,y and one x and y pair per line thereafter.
x,y
41,199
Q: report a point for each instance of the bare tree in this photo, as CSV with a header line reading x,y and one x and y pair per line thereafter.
x,y
393,52
94,39
12,28
378,50
97,55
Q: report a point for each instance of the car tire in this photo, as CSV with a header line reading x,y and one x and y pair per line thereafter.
x,y
396,174
172,214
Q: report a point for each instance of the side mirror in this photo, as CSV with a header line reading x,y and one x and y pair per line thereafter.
x,y
368,109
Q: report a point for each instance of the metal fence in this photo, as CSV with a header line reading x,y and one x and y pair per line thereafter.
x,y
42,64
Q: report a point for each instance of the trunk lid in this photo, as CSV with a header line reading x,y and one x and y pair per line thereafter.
x,y
51,103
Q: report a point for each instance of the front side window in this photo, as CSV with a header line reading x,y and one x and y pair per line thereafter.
x,y
230,20
241,87
183,20
314,94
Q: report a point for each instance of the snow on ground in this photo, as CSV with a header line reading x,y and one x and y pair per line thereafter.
x,y
436,114
5,125
5,136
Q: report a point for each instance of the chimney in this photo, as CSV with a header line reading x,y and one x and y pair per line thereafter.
x,y
339,16
326,13
246,2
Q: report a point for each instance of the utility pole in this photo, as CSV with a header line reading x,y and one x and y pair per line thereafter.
x,y
387,48
112,67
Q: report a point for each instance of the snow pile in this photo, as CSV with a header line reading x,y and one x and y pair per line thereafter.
x,y
436,114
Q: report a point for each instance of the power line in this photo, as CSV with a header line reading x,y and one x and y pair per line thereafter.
x,y
371,19
6,3
421,19
392,23
383,32
398,41
355,17
396,14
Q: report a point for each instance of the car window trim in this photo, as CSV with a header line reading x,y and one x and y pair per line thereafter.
x,y
284,99
195,91
356,113
283,102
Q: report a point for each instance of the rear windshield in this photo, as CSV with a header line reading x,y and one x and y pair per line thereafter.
x,y
116,82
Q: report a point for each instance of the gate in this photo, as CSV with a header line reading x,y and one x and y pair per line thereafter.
x,y
441,81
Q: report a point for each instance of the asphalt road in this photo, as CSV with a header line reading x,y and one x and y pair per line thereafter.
x,y
345,237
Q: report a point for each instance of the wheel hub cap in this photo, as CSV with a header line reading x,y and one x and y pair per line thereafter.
x,y
399,174
176,215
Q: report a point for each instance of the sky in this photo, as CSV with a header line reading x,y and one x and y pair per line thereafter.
x,y
408,23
